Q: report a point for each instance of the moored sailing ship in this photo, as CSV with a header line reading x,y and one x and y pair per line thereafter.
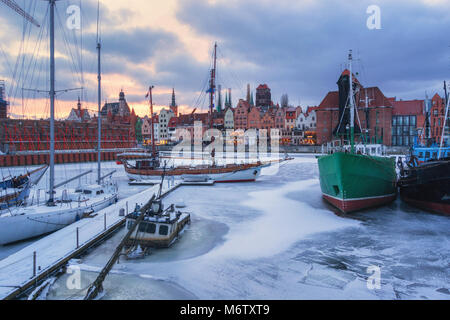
x,y
145,166
351,180
62,207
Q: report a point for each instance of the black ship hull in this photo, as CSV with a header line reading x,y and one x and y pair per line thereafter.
x,y
427,186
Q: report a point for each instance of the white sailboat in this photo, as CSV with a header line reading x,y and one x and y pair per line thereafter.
x,y
62,207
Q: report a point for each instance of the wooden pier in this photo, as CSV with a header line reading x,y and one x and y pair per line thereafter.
x,y
27,268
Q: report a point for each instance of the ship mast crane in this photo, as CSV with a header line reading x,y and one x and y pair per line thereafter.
x,y
212,87
13,5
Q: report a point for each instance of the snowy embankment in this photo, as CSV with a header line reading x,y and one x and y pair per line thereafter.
x,y
18,268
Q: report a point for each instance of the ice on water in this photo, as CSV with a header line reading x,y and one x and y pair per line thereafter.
x,y
276,239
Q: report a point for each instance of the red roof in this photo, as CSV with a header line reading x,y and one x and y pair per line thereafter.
x,y
309,109
172,122
263,86
408,107
376,99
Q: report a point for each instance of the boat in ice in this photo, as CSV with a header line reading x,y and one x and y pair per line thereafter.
x,y
349,179
425,182
58,208
159,228
69,206
147,166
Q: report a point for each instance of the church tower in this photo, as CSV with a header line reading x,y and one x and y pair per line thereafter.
x,y
173,105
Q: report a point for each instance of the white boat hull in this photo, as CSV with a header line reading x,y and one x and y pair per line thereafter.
x,y
250,174
23,226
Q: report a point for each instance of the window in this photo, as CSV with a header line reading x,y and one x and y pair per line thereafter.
x,y
87,191
147,227
406,120
400,121
399,141
394,121
427,154
406,140
130,224
412,120
163,230
394,140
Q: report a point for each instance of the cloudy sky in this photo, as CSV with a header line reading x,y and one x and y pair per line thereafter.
x,y
298,47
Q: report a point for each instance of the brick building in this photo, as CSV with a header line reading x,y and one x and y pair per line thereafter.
x,y
437,115
263,96
241,115
376,118
254,118
408,117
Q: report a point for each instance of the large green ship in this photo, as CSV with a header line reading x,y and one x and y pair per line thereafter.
x,y
353,182
353,179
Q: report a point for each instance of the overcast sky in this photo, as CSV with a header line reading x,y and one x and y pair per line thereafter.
x,y
298,47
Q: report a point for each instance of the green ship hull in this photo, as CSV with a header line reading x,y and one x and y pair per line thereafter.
x,y
354,182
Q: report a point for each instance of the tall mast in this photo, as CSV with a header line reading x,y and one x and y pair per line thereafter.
x,y
352,105
445,119
99,78
51,201
212,87
151,114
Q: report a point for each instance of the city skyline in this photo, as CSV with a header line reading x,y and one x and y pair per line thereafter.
x,y
296,48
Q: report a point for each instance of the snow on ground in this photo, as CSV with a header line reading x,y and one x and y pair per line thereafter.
x,y
276,239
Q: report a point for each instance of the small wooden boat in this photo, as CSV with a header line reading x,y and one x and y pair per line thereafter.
x,y
159,229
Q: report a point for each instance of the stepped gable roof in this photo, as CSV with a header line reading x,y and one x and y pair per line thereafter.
x,y
408,107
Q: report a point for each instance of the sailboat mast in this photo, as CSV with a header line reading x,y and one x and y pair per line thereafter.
x,y
445,119
212,87
99,135
99,78
52,103
151,115
352,105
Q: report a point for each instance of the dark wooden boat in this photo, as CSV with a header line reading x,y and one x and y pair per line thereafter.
x,y
427,186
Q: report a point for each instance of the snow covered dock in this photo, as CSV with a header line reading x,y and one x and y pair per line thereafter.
x,y
20,271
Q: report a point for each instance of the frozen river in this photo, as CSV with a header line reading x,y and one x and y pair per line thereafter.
x,y
276,239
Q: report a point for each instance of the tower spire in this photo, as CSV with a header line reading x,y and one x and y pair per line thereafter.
x,y
248,92
173,104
